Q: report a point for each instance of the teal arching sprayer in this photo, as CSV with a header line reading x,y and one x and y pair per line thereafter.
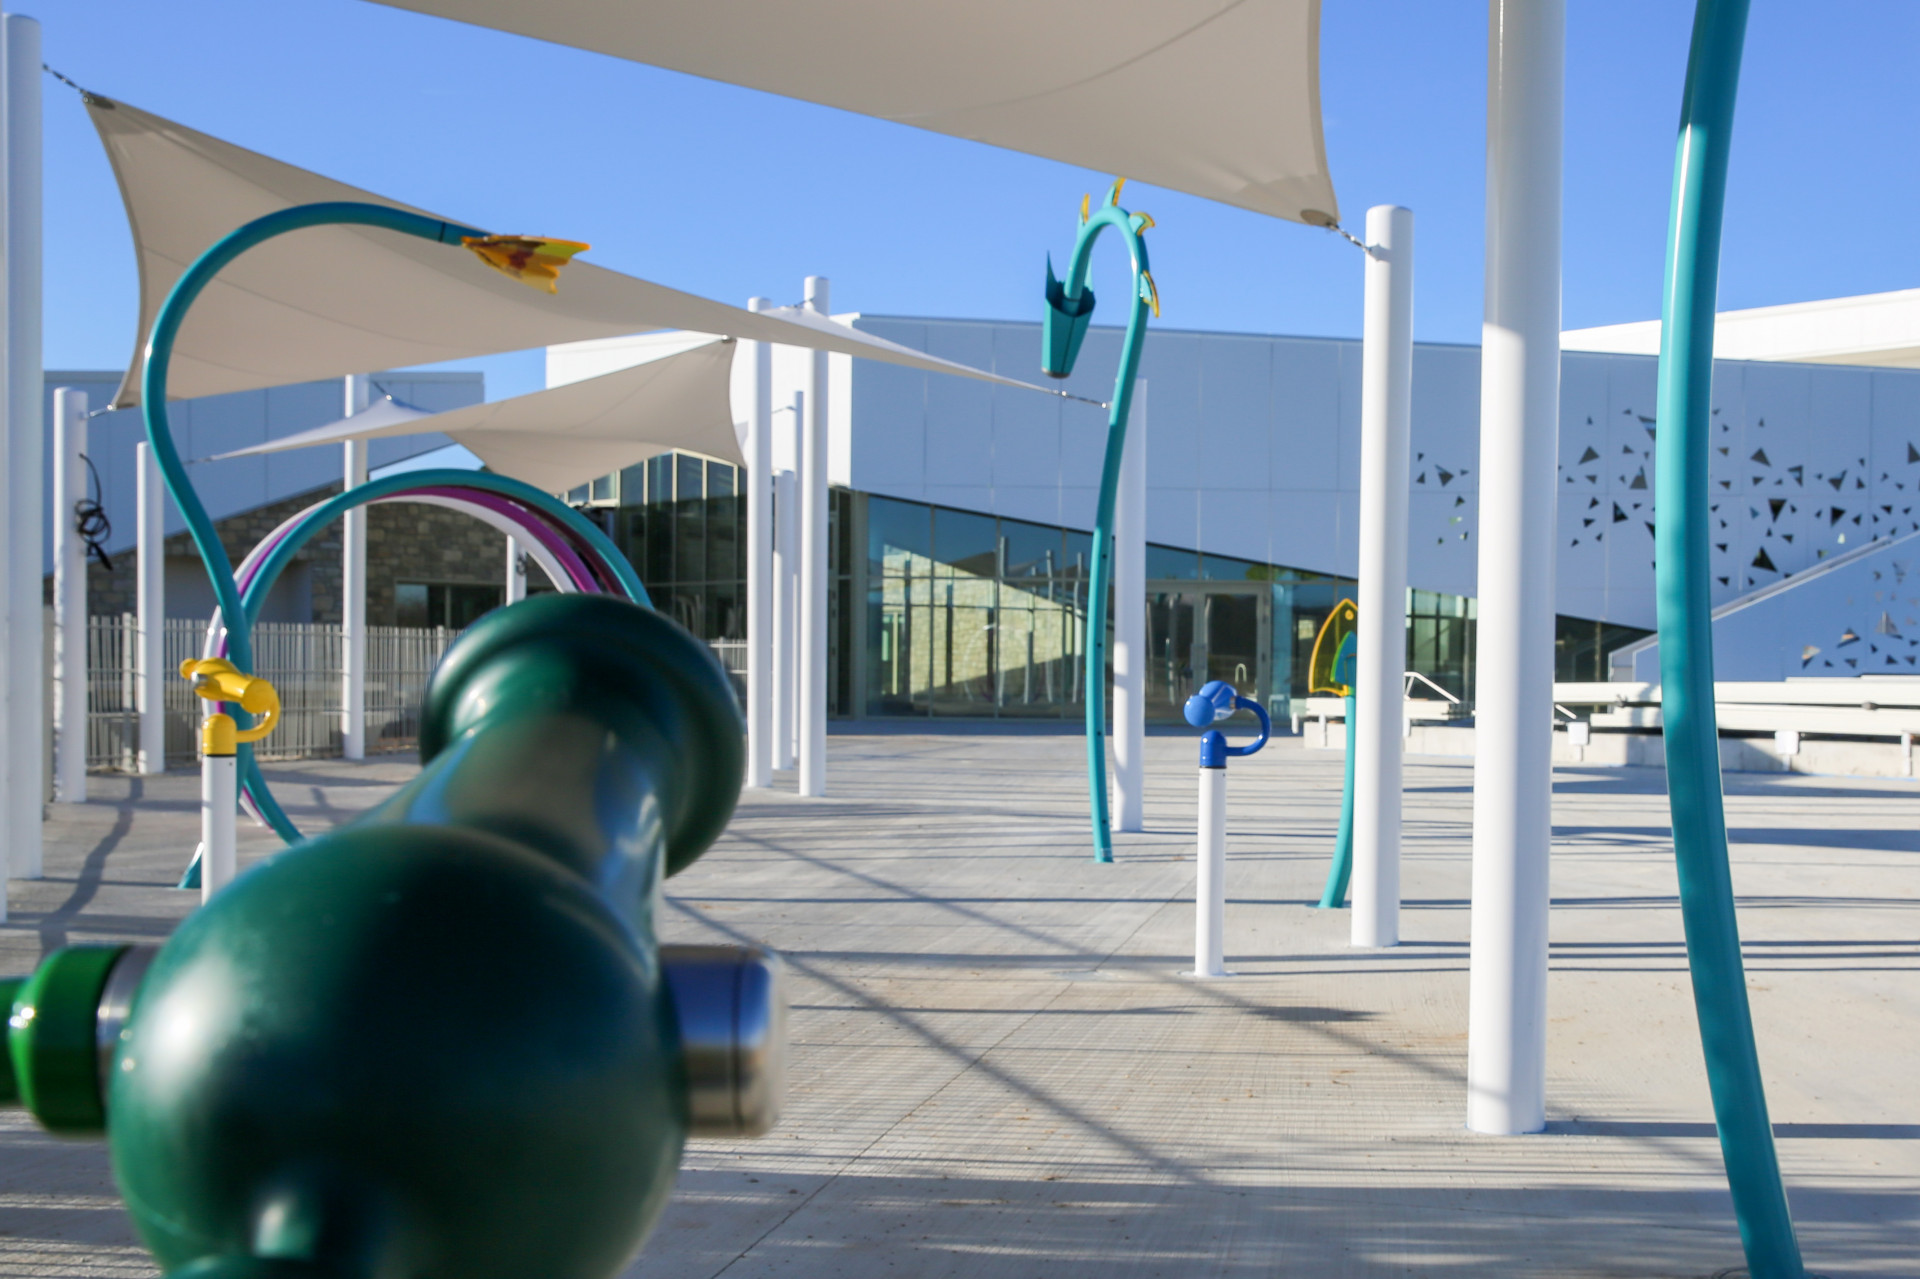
x,y
157,362
1069,311
1330,669
1683,585
1334,895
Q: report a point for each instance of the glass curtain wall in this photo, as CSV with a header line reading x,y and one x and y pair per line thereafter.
x,y
972,615
954,613
681,520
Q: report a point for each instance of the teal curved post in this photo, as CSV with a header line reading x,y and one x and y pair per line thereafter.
x,y
1682,582
156,364
1334,895
1069,310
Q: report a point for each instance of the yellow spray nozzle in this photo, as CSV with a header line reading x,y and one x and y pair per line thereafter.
x,y
218,680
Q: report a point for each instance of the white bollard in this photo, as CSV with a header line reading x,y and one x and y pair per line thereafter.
x,y
24,778
786,551
69,598
219,802
815,578
150,666
1519,448
516,571
1380,644
353,590
1210,890
757,475
1215,702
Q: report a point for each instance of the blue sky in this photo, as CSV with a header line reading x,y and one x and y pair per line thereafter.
x,y
729,193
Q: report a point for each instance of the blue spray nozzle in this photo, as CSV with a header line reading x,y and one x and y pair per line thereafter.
x,y
1218,700
1213,703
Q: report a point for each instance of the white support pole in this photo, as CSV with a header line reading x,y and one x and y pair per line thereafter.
x,y
516,571
1130,622
814,579
786,553
1380,645
757,358
353,585
26,529
150,598
69,598
219,838
1210,888
1519,444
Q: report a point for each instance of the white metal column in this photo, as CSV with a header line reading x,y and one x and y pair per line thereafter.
x,y
814,580
353,585
26,531
786,553
1380,647
1210,884
150,598
757,358
516,571
1519,442
1130,621
69,598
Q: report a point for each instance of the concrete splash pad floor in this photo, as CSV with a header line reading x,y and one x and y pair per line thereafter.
x,y
999,1070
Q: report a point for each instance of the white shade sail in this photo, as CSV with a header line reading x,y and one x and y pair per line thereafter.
x,y
1217,98
329,301
678,398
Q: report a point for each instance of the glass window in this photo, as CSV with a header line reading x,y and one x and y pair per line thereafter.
x,y
633,485
660,478
898,534
1169,563
720,479
1076,551
1031,550
410,604
966,542
689,478
1224,568
603,488
467,602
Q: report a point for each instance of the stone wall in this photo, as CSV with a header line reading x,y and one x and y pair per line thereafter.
x,y
406,542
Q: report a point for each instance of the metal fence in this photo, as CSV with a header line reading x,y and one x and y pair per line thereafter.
x,y
302,660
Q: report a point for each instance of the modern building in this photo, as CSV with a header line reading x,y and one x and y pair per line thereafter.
x,y
426,566
960,511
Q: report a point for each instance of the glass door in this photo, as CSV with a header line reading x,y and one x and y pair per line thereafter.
x,y
1200,631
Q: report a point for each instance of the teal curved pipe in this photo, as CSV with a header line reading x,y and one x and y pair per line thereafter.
x,y
1682,583
1070,306
156,364
1334,895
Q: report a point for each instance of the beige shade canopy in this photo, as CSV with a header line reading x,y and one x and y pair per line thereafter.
x,y
329,301
1217,98
677,398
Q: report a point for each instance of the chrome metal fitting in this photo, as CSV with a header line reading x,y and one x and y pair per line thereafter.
x,y
116,1004
731,1003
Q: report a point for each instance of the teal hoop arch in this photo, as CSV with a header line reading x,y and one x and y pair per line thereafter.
x,y
1682,583
1069,311
255,598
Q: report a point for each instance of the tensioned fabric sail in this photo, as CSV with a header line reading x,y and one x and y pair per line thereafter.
x,y
335,300
677,398
1217,98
